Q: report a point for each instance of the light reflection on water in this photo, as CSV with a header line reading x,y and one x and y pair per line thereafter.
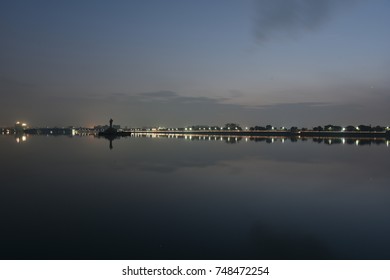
x,y
172,198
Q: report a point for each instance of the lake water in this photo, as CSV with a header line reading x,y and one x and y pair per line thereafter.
x,y
200,198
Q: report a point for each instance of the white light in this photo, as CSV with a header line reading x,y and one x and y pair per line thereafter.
x,y
283,140
387,143
357,128
246,139
246,128
23,124
18,140
343,128
357,142
24,138
343,140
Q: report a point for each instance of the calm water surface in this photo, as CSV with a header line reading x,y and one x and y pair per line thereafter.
x,y
159,198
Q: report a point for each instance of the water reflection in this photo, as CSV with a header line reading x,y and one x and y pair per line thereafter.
x,y
194,197
267,139
20,138
110,138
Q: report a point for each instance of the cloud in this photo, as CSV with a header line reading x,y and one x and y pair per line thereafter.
x,y
173,97
286,18
296,105
163,94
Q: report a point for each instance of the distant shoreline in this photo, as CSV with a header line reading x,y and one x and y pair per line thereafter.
x,y
277,133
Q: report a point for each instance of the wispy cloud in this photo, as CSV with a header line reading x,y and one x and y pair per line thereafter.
x,y
171,96
287,18
295,104
162,94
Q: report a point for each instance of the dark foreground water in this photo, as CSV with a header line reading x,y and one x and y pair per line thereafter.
x,y
168,198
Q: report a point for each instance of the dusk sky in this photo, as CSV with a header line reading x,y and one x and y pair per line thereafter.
x,y
177,63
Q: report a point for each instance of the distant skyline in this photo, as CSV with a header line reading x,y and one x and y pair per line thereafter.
x,y
178,63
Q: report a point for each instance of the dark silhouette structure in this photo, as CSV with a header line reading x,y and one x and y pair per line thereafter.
x,y
113,132
110,130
